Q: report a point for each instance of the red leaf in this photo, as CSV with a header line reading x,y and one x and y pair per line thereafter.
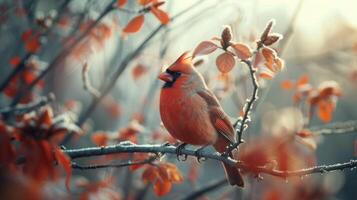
x,y
144,2
225,62
286,85
304,79
324,111
28,77
160,15
14,61
32,45
204,48
45,119
65,162
121,3
162,187
26,35
99,138
134,25
242,51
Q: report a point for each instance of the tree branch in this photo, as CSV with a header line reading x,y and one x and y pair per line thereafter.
x,y
128,147
336,128
248,107
22,109
118,165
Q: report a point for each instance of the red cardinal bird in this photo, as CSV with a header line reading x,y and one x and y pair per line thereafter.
x,y
192,114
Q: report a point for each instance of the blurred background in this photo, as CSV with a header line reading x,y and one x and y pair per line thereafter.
x,y
320,41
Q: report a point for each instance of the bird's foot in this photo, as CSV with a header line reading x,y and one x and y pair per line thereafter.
x,y
179,149
198,154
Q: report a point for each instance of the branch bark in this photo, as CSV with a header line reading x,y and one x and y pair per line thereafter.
x,y
128,147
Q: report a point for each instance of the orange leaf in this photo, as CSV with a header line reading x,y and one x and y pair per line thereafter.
x,y
121,3
150,174
162,187
144,2
324,111
26,35
45,119
65,162
242,51
14,61
99,138
28,77
134,25
286,85
304,79
269,55
225,62
266,74
138,71
32,45
160,15
204,48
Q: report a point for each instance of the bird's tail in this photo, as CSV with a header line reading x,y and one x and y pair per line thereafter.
x,y
232,172
233,175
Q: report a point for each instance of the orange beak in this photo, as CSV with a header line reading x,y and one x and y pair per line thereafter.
x,y
164,76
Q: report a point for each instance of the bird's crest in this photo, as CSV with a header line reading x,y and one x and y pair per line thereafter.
x,y
183,63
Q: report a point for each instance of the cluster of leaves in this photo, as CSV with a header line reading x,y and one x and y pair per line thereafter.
x,y
323,99
266,60
30,147
135,24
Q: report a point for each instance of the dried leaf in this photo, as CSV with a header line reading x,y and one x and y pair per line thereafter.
x,y
303,79
100,138
226,36
204,48
162,187
225,62
160,15
286,85
324,111
32,45
134,25
65,162
14,61
121,3
242,51
144,2
267,30
272,38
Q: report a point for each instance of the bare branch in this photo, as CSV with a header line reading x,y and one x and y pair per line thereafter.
x,y
86,82
118,165
248,107
22,109
128,147
336,128
290,30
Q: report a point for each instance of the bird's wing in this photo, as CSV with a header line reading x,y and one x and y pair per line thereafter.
x,y
219,119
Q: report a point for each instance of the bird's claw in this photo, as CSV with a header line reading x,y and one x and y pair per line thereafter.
x,y
198,154
179,149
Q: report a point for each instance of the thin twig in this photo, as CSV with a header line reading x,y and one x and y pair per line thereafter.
x,y
289,31
118,165
86,82
336,128
248,107
22,109
209,188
